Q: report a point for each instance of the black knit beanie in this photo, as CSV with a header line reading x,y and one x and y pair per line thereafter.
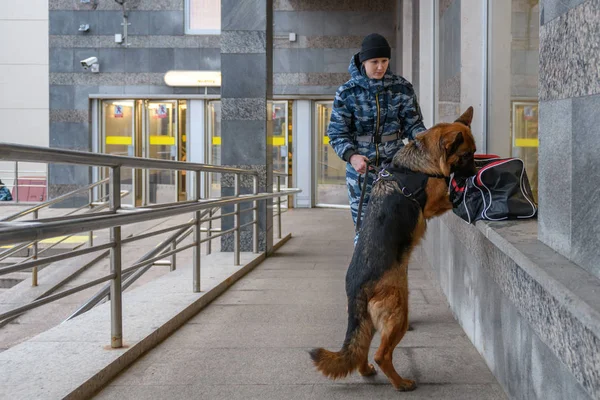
x,y
374,46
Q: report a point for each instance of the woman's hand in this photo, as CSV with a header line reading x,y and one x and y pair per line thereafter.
x,y
359,163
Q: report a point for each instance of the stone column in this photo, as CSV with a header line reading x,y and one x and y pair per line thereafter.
x,y
246,93
569,133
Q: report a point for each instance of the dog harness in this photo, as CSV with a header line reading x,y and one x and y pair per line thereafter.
x,y
412,184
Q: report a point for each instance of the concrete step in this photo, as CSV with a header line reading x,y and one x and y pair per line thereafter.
x,y
9,280
70,273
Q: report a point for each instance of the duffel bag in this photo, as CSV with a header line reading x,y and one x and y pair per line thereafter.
x,y
500,190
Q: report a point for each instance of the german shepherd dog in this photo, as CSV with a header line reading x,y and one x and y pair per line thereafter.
x,y
377,278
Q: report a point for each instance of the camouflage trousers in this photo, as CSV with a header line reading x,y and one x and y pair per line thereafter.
x,y
354,183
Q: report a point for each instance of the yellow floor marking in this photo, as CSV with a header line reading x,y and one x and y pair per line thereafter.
x,y
77,239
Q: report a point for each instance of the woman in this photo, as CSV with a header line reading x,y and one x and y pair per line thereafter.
x,y
373,113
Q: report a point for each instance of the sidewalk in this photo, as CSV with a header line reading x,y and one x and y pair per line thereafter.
x,y
252,341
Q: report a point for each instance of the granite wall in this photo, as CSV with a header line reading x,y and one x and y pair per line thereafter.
x,y
569,133
539,338
157,44
328,34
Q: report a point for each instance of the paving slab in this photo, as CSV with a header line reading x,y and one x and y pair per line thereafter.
x,y
252,341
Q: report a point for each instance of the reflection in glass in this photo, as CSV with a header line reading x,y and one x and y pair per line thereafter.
x,y
117,131
525,138
331,170
161,142
182,153
281,134
524,73
214,145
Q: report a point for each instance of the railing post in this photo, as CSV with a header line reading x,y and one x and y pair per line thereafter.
x,y
174,256
207,188
255,215
116,315
236,224
197,233
16,182
91,200
278,207
34,270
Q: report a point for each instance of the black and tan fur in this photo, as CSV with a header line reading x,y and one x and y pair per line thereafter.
x,y
377,278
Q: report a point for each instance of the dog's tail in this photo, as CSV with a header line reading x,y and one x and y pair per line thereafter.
x,y
355,350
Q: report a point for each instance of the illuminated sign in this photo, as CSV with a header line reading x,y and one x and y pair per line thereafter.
x,y
193,78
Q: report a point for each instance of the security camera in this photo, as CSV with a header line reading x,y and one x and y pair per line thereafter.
x,y
88,62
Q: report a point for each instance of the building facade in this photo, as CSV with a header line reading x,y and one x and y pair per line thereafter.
x,y
251,83
113,110
24,90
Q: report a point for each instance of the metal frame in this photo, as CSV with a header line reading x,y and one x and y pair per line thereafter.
x,y
315,150
12,232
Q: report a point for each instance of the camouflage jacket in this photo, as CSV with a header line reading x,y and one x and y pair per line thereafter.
x,y
5,194
356,107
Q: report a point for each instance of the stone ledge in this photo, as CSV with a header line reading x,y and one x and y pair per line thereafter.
x,y
576,289
556,298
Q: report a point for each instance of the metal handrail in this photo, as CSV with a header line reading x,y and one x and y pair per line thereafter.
x,y
61,156
35,211
16,232
104,292
37,253
55,200
23,231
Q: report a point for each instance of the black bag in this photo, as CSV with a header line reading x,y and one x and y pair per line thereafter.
x,y
499,191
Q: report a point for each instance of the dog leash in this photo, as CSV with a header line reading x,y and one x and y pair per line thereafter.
x,y
364,189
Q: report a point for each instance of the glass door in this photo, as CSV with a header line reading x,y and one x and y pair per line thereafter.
x,y
281,141
182,150
330,169
525,140
213,122
161,143
148,129
117,129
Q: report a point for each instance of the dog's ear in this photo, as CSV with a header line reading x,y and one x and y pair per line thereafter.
x,y
451,142
466,118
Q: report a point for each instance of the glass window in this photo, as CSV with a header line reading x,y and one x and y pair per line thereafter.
x,y
524,71
449,61
117,138
330,169
203,17
214,145
513,72
282,131
161,136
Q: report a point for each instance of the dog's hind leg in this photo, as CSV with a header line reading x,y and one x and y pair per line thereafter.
x,y
391,335
389,312
366,369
